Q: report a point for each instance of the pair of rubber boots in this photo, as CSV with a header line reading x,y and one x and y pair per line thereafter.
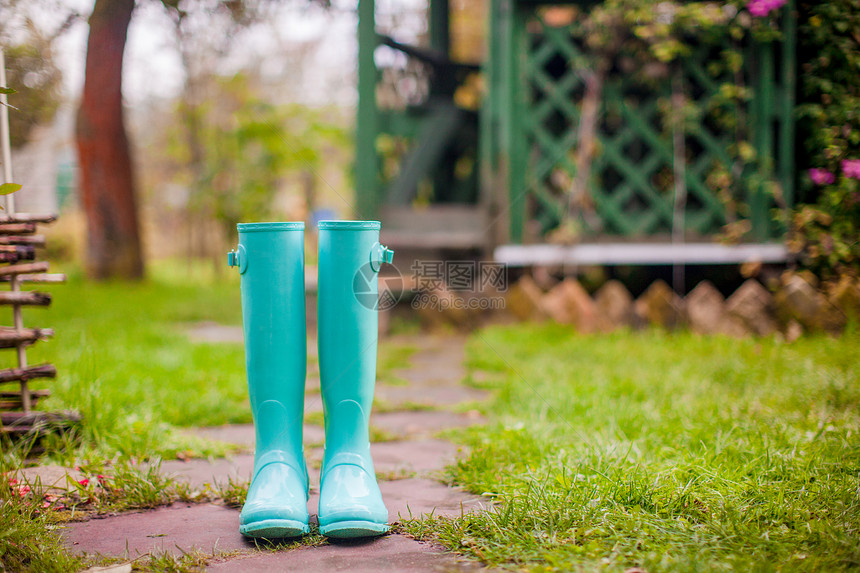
x,y
270,258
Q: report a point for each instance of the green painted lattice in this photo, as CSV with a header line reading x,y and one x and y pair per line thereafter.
x,y
534,113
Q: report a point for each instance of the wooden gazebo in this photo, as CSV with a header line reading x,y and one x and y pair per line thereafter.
x,y
499,178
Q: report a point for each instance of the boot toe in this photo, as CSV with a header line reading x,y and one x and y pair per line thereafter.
x,y
276,505
351,504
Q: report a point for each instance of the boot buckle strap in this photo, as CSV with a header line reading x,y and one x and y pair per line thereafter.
x,y
238,258
380,254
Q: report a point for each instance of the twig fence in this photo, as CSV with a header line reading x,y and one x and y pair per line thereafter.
x,y
18,244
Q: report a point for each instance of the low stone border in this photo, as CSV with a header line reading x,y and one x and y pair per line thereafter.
x,y
794,304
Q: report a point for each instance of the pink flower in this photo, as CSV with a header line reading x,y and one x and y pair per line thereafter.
x,y
851,168
757,8
761,8
84,482
821,176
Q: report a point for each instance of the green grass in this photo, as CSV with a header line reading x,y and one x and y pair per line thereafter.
x,y
27,542
125,363
393,356
669,452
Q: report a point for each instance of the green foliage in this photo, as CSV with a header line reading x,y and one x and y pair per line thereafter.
x,y
667,452
698,62
234,492
7,188
245,148
826,233
26,540
127,485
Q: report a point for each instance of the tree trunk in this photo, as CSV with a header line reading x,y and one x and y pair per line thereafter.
x,y
580,199
107,179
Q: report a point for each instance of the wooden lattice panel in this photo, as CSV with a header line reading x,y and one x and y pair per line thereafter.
x,y
631,187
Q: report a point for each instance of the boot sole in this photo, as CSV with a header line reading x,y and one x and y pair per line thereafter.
x,y
353,529
274,529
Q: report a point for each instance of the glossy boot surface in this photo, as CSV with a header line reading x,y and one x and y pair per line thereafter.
x,y
349,260
270,258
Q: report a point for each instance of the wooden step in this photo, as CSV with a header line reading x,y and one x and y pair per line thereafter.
x,y
10,337
28,218
34,240
37,278
33,394
17,228
37,422
15,257
24,252
12,400
28,373
26,297
23,269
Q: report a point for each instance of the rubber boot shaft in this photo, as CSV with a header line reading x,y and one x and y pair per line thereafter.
x,y
270,258
347,322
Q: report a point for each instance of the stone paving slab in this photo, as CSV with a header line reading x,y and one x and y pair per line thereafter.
x,y
423,423
439,360
243,434
428,369
407,498
212,332
213,527
419,456
389,554
432,395
207,527
401,424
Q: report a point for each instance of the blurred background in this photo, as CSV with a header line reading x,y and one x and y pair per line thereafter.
x,y
230,117
466,127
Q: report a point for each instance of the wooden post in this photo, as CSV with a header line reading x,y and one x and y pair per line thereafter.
x,y
786,128
367,122
17,316
5,142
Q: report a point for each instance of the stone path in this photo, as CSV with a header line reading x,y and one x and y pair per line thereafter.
x,y
406,465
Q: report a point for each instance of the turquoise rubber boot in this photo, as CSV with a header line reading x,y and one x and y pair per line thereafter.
x,y
349,259
270,258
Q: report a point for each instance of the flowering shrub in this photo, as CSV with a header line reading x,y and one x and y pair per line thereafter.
x,y
824,231
851,168
761,8
821,176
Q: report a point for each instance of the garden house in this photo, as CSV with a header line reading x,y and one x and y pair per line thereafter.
x,y
582,133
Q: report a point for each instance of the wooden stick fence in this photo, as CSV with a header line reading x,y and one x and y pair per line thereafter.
x,y
19,243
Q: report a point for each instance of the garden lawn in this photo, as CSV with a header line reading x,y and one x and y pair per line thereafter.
x,y
669,452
